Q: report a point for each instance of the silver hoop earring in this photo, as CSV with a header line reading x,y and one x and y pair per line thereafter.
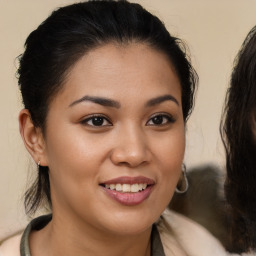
x,y
184,173
38,164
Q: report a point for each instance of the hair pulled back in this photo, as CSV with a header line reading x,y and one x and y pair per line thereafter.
x,y
240,146
70,32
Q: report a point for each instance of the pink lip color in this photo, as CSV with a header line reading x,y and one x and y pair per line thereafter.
x,y
131,198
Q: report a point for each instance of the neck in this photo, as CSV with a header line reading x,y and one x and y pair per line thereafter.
x,y
82,239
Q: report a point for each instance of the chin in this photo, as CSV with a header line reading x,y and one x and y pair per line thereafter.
x,y
131,229
130,223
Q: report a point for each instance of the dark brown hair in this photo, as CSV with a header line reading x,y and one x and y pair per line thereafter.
x,y
240,146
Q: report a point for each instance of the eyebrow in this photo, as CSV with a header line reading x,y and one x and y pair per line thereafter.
x,y
161,99
112,103
98,100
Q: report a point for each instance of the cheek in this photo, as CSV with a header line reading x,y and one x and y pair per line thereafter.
x,y
171,154
171,149
70,147
73,170
72,160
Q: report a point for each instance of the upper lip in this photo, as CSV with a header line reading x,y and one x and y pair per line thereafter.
x,y
130,180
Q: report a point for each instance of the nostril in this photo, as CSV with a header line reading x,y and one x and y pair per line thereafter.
x,y
130,153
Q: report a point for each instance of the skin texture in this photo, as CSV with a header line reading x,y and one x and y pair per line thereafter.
x,y
129,142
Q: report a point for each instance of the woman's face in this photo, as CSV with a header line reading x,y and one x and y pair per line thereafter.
x,y
114,139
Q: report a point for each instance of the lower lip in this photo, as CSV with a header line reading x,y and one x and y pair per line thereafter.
x,y
129,199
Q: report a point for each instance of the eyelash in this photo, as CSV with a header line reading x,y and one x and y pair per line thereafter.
x,y
168,119
94,117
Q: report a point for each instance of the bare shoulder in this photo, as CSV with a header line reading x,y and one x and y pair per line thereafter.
x,y
11,246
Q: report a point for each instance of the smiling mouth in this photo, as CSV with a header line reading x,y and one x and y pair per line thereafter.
x,y
127,188
128,191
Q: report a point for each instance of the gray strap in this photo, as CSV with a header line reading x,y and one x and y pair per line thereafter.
x,y
156,243
35,224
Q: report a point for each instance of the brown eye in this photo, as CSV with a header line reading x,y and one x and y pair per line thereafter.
x,y
157,120
160,119
96,121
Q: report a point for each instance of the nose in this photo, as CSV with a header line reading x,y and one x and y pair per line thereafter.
x,y
131,149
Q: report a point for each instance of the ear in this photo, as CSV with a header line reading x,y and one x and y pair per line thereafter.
x,y
33,138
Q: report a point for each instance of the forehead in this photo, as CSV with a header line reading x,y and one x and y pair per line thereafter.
x,y
113,70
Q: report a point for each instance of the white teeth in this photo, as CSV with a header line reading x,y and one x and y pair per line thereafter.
x,y
134,187
112,186
119,187
127,188
142,186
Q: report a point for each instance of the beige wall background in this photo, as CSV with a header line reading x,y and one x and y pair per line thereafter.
x,y
213,30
